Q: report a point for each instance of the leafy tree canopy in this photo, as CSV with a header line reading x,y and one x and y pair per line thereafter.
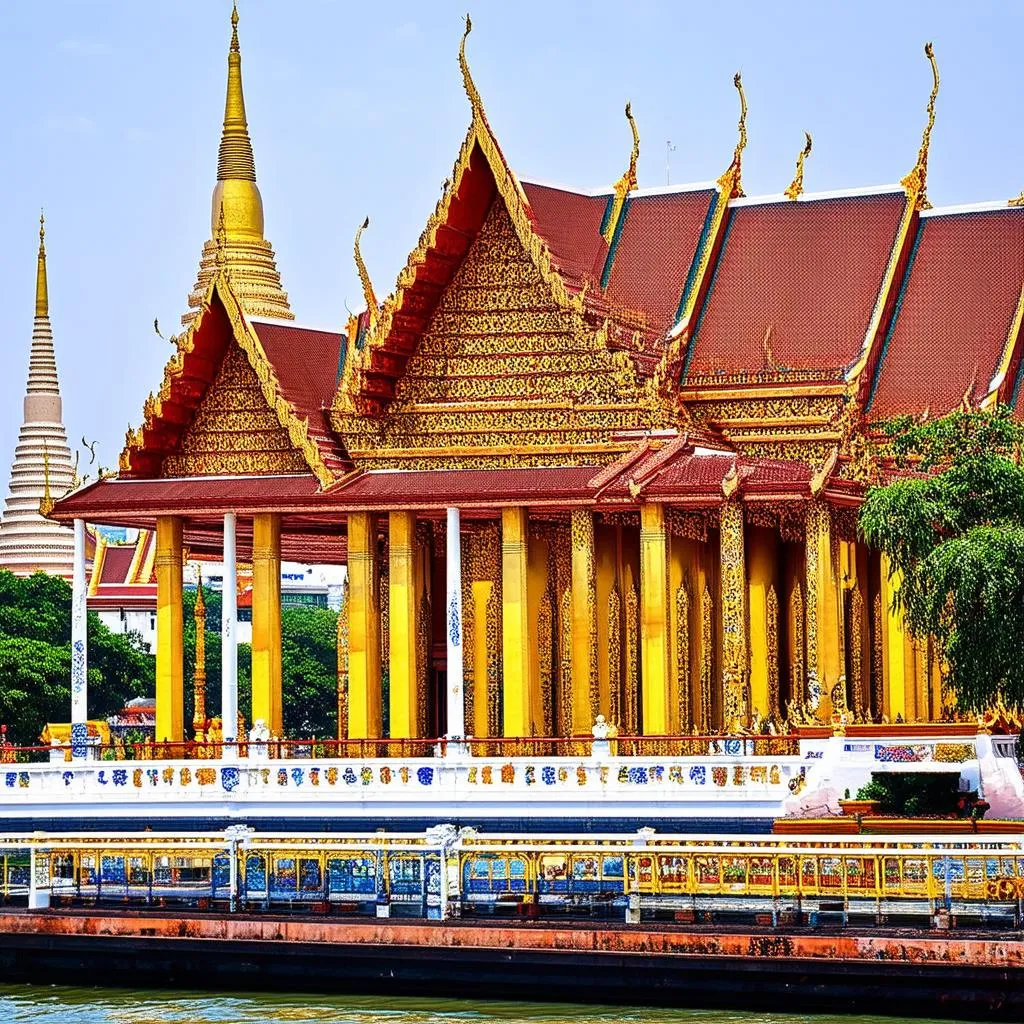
x,y
35,658
953,530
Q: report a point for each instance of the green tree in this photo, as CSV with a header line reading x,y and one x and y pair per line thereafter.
x,y
35,658
953,528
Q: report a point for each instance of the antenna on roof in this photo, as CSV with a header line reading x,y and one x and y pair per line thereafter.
x,y
669,150
796,186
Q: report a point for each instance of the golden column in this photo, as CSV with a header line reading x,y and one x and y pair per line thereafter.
x,y
404,641
515,635
266,622
585,695
169,623
364,710
763,623
824,621
654,659
735,652
343,663
894,645
199,673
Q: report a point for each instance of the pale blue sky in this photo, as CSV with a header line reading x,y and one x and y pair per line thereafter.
x,y
112,112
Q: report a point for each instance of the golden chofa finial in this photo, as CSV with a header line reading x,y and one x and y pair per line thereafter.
x,y
42,292
796,186
731,182
916,182
625,184
467,78
364,275
1019,201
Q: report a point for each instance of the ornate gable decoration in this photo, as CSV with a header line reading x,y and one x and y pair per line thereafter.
x,y
219,410
482,356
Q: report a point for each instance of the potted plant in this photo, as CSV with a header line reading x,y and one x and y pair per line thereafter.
x,y
863,805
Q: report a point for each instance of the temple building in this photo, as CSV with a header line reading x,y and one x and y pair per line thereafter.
x,y
42,464
600,452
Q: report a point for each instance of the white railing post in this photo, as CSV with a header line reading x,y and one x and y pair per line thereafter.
x,y
229,642
79,649
456,714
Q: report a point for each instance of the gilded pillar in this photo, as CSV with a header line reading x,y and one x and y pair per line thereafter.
x,y
404,642
364,710
585,696
343,663
199,671
824,622
763,615
894,644
735,658
516,683
169,623
266,622
654,659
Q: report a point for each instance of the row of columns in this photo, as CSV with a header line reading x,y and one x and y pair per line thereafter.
x,y
745,623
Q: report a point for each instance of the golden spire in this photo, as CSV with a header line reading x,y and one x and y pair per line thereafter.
x,y
625,184
236,213
731,182
364,276
467,79
796,186
916,182
235,159
42,293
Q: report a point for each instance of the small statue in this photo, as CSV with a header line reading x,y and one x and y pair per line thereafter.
x,y
601,730
259,738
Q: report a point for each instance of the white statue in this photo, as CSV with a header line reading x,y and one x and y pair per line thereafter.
x,y
259,737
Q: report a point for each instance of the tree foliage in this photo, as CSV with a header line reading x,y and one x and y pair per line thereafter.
x,y
309,667
35,658
953,530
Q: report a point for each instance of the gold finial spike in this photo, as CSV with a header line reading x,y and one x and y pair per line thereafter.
x,y
916,182
46,502
42,292
625,184
796,186
235,161
731,182
364,276
467,79
200,608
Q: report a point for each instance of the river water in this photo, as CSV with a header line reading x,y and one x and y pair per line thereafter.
x,y
59,1005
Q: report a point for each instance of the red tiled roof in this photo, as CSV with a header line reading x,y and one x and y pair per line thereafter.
x,y
811,271
197,495
305,362
420,488
570,224
957,306
117,560
659,238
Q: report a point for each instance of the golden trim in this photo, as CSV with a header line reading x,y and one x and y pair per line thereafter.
x,y
245,336
702,394
98,558
1013,336
796,186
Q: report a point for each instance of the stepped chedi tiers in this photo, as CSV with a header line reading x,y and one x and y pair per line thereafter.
x,y
42,468
236,221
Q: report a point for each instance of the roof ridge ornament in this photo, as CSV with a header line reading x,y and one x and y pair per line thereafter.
x,y
731,182
916,182
364,276
796,186
1019,201
625,184
467,78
